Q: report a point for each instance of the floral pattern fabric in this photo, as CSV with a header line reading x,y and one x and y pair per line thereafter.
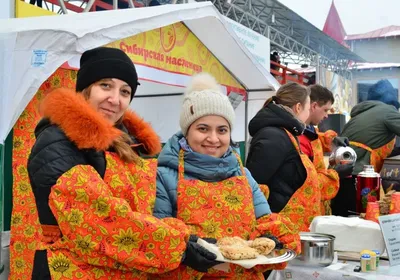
x,y
107,225
26,232
304,204
88,210
280,227
377,155
328,178
265,190
216,210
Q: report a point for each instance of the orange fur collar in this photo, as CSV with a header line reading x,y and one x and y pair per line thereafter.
x,y
88,129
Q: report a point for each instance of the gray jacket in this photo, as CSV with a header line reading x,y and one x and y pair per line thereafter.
x,y
374,124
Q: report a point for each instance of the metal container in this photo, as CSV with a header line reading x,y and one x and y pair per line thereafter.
x,y
342,155
317,249
367,188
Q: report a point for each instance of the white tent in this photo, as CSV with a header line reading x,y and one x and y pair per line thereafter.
x,y
33,48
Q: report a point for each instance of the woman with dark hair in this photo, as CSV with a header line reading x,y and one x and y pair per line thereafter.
x,y
201,181
94,192
275,158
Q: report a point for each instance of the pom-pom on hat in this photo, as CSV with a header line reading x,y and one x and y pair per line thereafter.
x,y
203,97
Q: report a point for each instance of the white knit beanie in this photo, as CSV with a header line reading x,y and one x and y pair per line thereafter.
x,y
203,97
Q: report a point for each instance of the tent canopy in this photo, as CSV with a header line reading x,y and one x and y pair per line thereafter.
x,y
33,48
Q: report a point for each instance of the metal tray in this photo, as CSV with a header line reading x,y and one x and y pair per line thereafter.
x,y
276,256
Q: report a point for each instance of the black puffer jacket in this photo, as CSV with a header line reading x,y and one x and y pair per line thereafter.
x,y
52,155
73,134
273,159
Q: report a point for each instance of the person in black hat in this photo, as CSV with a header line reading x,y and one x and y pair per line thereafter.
x,y
93,189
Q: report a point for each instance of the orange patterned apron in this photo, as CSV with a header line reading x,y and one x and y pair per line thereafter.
x,y
26,231
304,204
377,155
328,178
134,184
215,210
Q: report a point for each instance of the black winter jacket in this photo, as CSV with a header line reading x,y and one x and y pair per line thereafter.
x,y
273,159
72,134
52,155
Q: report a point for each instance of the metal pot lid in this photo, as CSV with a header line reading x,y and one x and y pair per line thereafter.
x,y
314,236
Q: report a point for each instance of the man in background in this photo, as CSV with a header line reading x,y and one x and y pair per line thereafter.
x,y
372,132
314,143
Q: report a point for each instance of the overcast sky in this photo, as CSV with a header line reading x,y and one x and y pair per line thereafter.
x,y
358,16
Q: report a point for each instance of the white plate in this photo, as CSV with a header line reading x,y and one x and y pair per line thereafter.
x,y
277,256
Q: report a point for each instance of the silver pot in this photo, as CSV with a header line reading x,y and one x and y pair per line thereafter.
x,y
316,249
342,155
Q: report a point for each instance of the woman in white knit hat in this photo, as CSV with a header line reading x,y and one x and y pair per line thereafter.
x,y
202,182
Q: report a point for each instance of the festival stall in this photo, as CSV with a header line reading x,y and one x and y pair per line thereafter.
x,y
195,37
168,44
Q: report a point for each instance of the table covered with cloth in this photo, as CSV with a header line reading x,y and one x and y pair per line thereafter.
x,y
336,271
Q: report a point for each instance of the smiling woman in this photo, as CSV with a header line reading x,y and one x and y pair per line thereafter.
x,y
201,181
209,135
110,97
94,193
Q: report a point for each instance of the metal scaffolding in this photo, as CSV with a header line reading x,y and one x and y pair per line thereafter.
x,y
82,6
296,40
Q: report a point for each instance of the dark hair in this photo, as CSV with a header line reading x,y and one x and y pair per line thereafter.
x,y
289,95
321,95
234,144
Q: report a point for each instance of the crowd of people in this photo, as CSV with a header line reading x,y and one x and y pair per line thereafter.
x,y
109,209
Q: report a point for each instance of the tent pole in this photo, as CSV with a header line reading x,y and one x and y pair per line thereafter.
x,y
88,6
317,70
115,4
131,5
260,89
1,201
62,5
246,119
159,95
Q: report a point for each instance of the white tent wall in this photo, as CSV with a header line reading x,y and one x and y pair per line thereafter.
x,y
161,111
255,102
33,48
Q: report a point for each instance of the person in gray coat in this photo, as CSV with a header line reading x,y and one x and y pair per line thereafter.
x,y
371,132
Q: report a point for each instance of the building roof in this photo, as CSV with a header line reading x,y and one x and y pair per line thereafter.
x,y
362,66
388,31
287,30
355,66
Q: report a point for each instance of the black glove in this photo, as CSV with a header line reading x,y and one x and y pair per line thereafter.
x,y
198,257
278,244
194,238
344,170
341,141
